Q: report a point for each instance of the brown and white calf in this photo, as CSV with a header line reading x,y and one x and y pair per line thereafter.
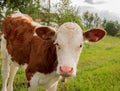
x,y
44,53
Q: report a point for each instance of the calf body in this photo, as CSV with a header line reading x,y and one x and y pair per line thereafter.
x,y
44,53
22,47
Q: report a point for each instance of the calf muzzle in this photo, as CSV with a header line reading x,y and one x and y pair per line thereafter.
x,y
66,71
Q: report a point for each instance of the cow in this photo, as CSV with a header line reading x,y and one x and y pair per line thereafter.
x,y
46,54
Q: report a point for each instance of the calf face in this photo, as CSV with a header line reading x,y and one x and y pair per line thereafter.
x,y
69,41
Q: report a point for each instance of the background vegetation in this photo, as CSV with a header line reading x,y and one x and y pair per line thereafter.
x,y
63,12
99,65
93,20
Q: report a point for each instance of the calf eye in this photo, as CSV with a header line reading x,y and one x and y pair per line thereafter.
x,y
80,46
58,46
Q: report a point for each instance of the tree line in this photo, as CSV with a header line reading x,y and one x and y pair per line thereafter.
x,y
64,12
93,20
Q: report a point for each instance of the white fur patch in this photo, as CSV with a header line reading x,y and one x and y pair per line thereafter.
x,y
4,48
36,24
35,34
45,81
21,66
19,14
24,66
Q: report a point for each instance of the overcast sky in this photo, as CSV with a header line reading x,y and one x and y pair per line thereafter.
x,y
110,5
109,9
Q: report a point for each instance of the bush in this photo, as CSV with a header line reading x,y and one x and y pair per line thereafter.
x,y
91,20
118,34
112,27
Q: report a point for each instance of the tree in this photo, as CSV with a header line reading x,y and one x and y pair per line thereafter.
x,y
64,11
45,11
97,21
67,13
112,27
30,7
91,20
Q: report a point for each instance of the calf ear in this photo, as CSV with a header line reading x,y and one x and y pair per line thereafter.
x,y
46,33
94,34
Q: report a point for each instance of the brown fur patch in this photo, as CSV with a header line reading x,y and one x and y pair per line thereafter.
x,y
18,32
40,55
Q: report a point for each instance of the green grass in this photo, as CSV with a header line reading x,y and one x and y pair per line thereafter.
x,y
98,69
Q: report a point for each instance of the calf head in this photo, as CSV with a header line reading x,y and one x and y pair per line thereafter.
x,y
69,41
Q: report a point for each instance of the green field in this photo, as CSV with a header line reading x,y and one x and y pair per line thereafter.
x,y
98,69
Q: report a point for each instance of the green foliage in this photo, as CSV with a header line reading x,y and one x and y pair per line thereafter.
x,y
2,3
29,7
64,11
118,34
112,27
1,17
67,13
25,6
45,14
91,20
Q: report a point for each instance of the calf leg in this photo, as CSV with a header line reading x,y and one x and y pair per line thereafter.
x,y
53,88
33,85
5,73
5,64
13,71
32,81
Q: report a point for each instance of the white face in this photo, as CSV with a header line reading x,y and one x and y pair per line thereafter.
x,y
69,43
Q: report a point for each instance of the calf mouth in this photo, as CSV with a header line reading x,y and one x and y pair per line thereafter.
x,y
63,79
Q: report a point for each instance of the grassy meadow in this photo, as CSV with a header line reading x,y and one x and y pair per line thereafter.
x,y
98,69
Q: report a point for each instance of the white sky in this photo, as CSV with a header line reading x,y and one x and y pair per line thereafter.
x,y
110,5
109,9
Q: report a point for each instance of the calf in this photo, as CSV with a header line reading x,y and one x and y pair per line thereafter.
x,y
44,53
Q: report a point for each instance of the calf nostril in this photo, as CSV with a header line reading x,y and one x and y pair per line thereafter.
x,y
71,69
61,69
66,70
